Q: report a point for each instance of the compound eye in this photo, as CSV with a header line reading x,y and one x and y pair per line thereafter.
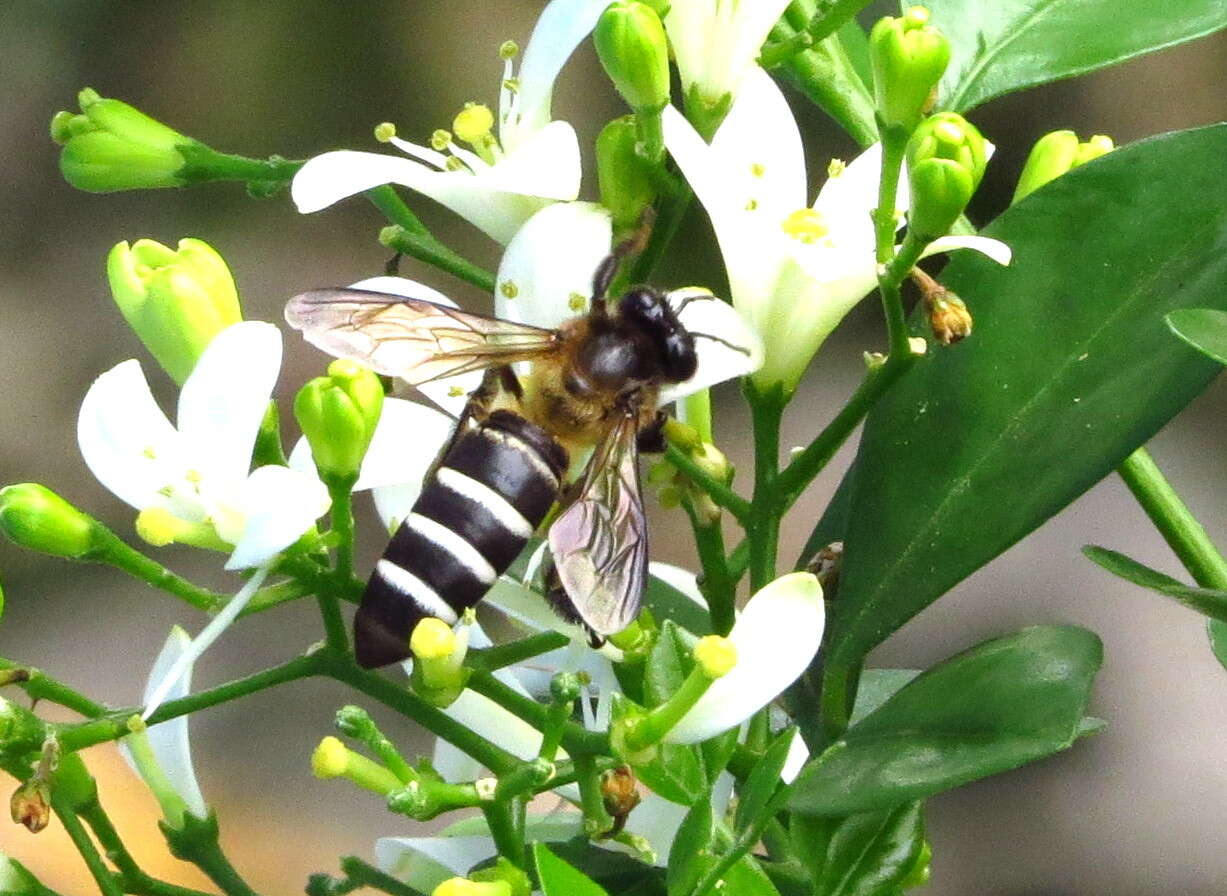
x,y
681,360
642,304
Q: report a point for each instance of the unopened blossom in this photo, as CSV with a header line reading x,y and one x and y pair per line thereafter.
x,y
515,163
795,268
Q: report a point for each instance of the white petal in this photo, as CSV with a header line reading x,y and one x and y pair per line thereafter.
x,y
848,199
454,764
279,505
529,608
679,579
798,755
546,165
224,400
994,249
485,717
181,665
733,350
169,740
549,264
752,23
393,502
561,27
403,286
657,820
425,862
125,439
776,636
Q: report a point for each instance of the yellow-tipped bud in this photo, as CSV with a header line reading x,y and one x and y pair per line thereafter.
x,y
432,639
330,759
715,656
461,886
473,123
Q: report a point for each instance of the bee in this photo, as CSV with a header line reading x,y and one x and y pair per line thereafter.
x,y
592,384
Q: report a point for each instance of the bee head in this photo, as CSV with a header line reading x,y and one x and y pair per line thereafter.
x,y
650,312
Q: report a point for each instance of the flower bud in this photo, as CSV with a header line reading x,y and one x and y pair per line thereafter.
x,y
908,58
948,316
946,157
21,732
566,687
338,414
113,146
1053,155
630,41
35,517
624,176
175,300
438,660
31,805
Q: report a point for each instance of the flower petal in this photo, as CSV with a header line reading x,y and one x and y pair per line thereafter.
x,y
169,739
848,197
679,579
223,401
545,275
125,439
561,27
752,23
485,717
181,664
776,636
798,755
994,249
727,346
279,505
425,862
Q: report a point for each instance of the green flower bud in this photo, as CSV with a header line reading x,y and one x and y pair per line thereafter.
x,y
338,414
908,58
176,301
946,158
35,517
630,40
1053,155
21,732
566,687
113,146
15,880
625,177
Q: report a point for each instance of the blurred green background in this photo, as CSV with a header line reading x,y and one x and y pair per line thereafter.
x,y
1138,809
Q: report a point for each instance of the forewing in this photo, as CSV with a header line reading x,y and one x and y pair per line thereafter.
x,y
410,338
599,543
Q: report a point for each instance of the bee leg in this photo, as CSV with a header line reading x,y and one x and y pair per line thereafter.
x,y
392,268
651,438
608,268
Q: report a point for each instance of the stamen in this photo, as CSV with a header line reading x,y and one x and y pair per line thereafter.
x,y
836,168
509,289
440,140
508,49
577,302
385,131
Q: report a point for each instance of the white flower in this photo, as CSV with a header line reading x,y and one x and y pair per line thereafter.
x,y
534,161
777,636
170,776
795,270
716,42
197,472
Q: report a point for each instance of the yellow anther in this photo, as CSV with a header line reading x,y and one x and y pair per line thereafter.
x,y
751,205
440,140
508,49
193,476
577,302
758,169
385,131
715,656
454,164
512,84
836,168
432,639
455,391
330,758
806,225
473,123
149,452
157,527
509,289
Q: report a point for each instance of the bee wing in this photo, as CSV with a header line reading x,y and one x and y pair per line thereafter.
x,y
600,543
410,338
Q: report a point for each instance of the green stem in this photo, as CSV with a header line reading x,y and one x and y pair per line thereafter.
x,y
490,659
825,20
650,134
576,739
203,164
766,410
597,820
342,515
1175,522
430,250
41,686
363,874
121,555
133,878
696,413
108,882
720,493
827,77
744,842
394,208
508,836
717,584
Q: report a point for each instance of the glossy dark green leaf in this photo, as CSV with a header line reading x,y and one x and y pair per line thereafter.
x,y
666,602
1208,601
617,872
668,664
876,687
870,853
560,879
747,878
691,853
1203,328
1006,45
1218,640
761,783
1001,704
1071,367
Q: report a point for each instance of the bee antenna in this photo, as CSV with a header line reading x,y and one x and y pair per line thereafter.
x,y
724,342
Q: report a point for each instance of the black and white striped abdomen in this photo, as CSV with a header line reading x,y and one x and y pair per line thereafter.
x,y
473,517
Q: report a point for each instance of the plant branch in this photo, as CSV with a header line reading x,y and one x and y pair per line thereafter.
x,y
720,493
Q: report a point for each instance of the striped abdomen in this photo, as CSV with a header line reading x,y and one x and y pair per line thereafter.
x,y
473,517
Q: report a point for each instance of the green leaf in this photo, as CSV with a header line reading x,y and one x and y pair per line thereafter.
x,y
560,879
1218,640
1208,601
869,853
1071,367
1001,704
747,878
668,664
615,871
666,602
1008,45
1203,328
876,687
761,783
690,854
